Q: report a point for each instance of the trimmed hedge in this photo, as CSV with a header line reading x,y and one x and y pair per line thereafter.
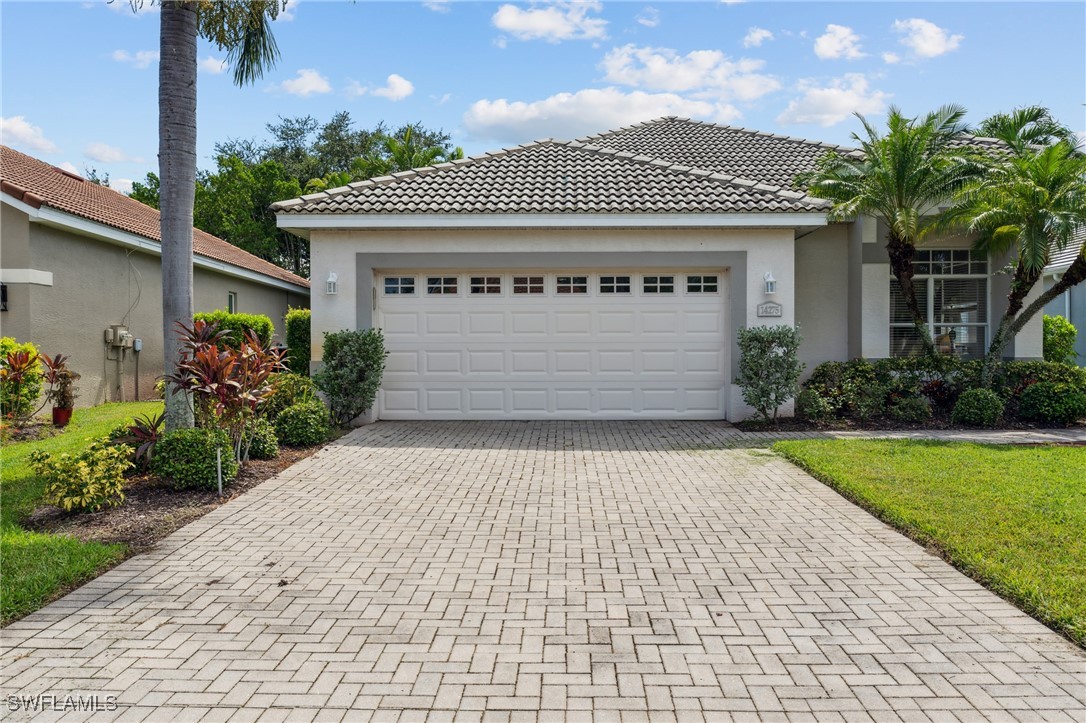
x,y
187,458
303,425
978,408
264,445
237,324
1052,403
298,340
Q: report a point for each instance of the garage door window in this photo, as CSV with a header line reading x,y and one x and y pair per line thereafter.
x,y
527,284
400,285
614,284
701,284
658,285
572,285
441,285
486,284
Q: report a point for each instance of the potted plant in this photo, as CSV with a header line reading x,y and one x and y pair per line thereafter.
x,y
61,392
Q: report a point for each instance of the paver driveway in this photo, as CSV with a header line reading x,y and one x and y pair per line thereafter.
x,y
555,571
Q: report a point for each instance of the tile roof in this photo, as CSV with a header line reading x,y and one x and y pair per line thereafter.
x,y
766,157
1060,260
37,184
556,177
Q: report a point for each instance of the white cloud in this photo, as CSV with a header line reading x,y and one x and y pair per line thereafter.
x,y
140,59
553,22
833,103
213,65
307,82
17,131
287,13
926,39
122,185
104,153
839,41
569,115
891,58
649,17
69,167
706,72
755,37
732,2
438,6
396,87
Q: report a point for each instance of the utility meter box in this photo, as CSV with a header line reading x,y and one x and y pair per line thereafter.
x,y
118,336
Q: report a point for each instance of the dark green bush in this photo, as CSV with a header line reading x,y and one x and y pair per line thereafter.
x,y
1059,340
303,425
1052,403
840,383
263,444
351,371
288,390
769,367
812,406
911,409
869,402
978,408
298,340
237,324
1012,378
187,458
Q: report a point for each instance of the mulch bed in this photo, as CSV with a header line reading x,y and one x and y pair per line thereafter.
x,y
152,509
30,432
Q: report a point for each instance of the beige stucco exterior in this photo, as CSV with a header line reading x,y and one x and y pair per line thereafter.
x,y
96,284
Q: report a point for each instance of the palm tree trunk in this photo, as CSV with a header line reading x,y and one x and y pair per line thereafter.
x,y
901,265
1022,283
1075,274
177,174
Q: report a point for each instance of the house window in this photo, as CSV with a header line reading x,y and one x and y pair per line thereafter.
x,y
486,284
614,284
658,285
952,290
572,285
701,284
232,302
3,297
399,285
527,284
441,284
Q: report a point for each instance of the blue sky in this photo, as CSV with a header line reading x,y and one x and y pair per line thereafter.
x,y
79,80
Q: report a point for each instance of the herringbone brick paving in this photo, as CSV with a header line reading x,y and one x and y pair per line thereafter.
x,y
544,571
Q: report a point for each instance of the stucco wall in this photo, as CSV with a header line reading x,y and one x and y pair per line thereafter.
x,y
822,295
15,254
96,284
345,252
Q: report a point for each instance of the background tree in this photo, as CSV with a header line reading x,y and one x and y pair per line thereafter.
x,y
243,30
1027,202
92,175
899,178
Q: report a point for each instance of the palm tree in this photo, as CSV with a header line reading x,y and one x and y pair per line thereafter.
x,y
402,154
1029,201
899,178
242,28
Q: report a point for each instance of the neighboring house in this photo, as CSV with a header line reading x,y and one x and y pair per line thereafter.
x,y
606,277
1071,304
78,259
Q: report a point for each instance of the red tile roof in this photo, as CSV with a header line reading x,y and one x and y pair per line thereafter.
x,y
38,184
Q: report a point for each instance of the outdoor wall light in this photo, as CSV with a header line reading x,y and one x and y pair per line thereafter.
x,y
770,283
331,286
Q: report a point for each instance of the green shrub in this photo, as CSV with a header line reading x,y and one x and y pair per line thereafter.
x,y
263,444
288,390
1052,403
18,399
1011,378
237,324
298,340
812,406
769,367
869,402
353,364
978,408
87,481
911,409
840,383
1059,340
303,425
186,457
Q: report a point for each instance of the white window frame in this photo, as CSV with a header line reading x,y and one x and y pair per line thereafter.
x,y
231,302
573,284
442,285
658,283
542,285
701,290
630,282
926,295
399,279
487,282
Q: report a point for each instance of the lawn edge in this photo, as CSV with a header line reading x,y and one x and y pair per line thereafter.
x,y
928,542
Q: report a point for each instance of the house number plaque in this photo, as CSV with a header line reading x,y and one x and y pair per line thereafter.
x,y
770,308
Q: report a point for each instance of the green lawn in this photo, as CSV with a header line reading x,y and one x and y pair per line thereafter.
x,y
35,567
1012,518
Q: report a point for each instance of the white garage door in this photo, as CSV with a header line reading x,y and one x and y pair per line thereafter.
x,y
559,344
